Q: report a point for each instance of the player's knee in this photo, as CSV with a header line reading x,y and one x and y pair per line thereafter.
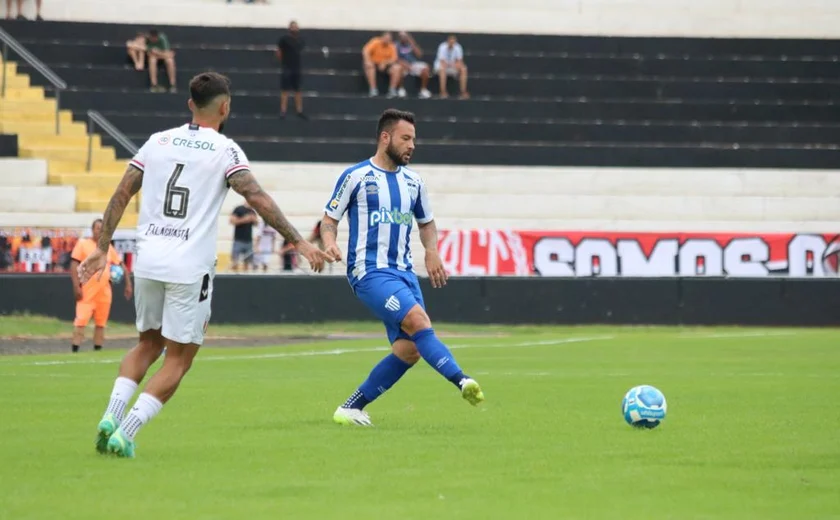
x,y
406,351
416,320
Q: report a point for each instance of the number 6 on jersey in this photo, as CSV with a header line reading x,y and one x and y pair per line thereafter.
x,y
177,197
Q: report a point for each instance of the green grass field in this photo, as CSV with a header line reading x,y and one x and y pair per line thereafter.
x,y
753,431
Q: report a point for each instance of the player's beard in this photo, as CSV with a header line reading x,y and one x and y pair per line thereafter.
x,y
395,155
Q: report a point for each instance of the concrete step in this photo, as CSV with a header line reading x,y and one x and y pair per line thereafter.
x,y
30,113
99,205
42,127
23,172
38,198
68,219
79,166
28,93
17,80
26,140
75,154
13,104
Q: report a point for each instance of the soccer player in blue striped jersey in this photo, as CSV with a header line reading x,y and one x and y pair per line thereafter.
x,y
382,198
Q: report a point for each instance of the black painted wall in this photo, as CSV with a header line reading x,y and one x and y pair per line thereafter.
x,y
666,301
8,145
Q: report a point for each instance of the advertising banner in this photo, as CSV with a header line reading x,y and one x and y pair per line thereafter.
x,y
573,254
47,250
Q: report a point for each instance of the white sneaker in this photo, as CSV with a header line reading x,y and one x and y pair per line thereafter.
x,y
401,93
373,92
425,94
392,92
351,416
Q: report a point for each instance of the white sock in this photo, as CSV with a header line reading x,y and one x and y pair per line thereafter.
x,y
122,393
146,407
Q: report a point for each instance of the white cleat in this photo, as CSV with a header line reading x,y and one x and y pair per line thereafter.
x,y
352,417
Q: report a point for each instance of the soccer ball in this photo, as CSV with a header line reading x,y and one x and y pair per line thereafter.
x,y
644,407
117,274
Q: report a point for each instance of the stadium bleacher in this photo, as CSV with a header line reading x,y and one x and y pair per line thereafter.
x,y
538,100
555,107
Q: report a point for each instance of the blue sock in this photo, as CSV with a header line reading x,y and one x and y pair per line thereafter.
x,y
381,378
435,353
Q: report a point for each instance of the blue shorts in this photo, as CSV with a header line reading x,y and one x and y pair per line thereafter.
x,y
390,294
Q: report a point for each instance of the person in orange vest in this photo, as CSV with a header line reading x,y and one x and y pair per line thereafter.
x,y
93,299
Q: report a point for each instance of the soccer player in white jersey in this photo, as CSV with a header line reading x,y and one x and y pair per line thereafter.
x,y
382,198
184,173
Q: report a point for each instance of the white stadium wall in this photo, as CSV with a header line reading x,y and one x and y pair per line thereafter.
x,y
711,18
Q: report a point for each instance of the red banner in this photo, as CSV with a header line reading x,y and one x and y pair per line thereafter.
x,y
570,254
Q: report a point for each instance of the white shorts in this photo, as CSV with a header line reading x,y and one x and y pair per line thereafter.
x,y
417,68
263,258
452,72
180,310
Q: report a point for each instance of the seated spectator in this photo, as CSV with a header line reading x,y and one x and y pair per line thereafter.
x,y
137,50
20,10
157,46
409,54
379,56
450,63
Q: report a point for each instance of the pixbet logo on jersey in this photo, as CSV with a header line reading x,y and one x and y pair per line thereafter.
x,y
395,216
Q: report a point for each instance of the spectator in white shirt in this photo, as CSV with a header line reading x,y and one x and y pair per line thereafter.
x,y
450,62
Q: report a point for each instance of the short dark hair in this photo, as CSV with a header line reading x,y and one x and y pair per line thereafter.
x,y
99,220
153,32
391,117
207,86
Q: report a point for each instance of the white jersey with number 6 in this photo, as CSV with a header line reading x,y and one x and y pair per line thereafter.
x,y
185,172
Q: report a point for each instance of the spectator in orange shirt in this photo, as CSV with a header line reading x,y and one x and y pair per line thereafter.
x,y
379,55
94,298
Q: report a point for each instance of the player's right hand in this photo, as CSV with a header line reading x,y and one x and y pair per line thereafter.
x,y
313,255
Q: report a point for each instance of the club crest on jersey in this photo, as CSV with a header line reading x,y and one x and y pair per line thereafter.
x,y
412,189
395,216
163,140
372,188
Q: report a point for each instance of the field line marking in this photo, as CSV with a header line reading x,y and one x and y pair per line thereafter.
x,y
332,352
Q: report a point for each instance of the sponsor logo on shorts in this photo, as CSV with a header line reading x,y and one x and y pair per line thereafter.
x,y
168,231
392,304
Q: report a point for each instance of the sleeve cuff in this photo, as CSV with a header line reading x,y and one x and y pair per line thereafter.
x,y
137,164
237,168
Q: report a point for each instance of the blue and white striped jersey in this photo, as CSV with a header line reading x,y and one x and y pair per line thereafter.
x,y
380,206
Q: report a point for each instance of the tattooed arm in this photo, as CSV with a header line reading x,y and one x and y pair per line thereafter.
x,y
95,262
128,187
244,183
329,233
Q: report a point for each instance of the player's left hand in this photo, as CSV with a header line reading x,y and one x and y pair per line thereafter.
x,y
434,266
94,265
